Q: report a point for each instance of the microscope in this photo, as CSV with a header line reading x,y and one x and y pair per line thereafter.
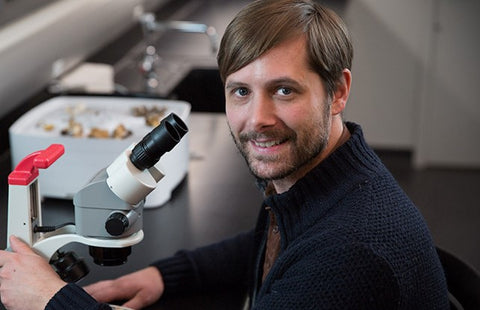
x,y
108,210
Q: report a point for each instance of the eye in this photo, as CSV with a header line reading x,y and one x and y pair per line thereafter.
x,y
284,91
241,91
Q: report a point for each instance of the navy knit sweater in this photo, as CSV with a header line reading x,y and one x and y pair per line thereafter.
x,y
351,239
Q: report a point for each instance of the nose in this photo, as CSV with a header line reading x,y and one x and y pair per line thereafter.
x,y
262,112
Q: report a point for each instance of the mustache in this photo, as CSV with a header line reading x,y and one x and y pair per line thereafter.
x,y
280,135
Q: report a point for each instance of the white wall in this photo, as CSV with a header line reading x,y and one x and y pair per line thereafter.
x,y
67,30
415,75
389,46
450,120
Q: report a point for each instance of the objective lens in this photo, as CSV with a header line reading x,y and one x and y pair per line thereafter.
x,y
109,256
160,140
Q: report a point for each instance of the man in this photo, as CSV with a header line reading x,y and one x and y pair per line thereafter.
x,y
335,229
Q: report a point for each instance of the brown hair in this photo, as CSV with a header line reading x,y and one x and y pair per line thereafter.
x,y
263,24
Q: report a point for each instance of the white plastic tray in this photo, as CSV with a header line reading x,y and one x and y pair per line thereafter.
x,y
85,156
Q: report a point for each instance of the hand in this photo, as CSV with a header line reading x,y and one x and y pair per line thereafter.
x,y
27,281
140,288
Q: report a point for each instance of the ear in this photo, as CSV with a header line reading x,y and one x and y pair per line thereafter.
x,y
340,96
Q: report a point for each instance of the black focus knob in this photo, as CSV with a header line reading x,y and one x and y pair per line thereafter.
x,y
116,224
68,266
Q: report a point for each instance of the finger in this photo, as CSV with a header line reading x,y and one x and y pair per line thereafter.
x,y
19,246
135,303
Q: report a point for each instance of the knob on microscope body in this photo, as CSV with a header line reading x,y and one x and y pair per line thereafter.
x,y
116,224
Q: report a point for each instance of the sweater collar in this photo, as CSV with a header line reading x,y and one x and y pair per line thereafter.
x,y
311,197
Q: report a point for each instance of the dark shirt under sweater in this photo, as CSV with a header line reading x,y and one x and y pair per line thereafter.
x,y
350,239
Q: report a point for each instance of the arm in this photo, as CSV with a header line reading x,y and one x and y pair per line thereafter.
x,y
220,265
73,297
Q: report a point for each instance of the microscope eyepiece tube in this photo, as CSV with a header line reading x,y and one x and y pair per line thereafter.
x,y
177,122
160,140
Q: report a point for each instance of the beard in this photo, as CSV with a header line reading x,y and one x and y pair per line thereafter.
x,y
305,145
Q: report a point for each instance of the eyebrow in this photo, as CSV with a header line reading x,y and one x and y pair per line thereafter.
x,y
268,84
284,81
232,85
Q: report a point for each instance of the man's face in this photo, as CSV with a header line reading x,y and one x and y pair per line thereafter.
x,y
278,113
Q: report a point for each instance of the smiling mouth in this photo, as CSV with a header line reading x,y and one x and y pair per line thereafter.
x,y
266,140
267,143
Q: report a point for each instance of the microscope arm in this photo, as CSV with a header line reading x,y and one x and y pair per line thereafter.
x,y
52,241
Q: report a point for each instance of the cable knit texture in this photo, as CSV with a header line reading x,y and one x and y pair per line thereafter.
x,y
350,239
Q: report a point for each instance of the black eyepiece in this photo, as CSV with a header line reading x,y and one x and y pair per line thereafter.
x,y
160,140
